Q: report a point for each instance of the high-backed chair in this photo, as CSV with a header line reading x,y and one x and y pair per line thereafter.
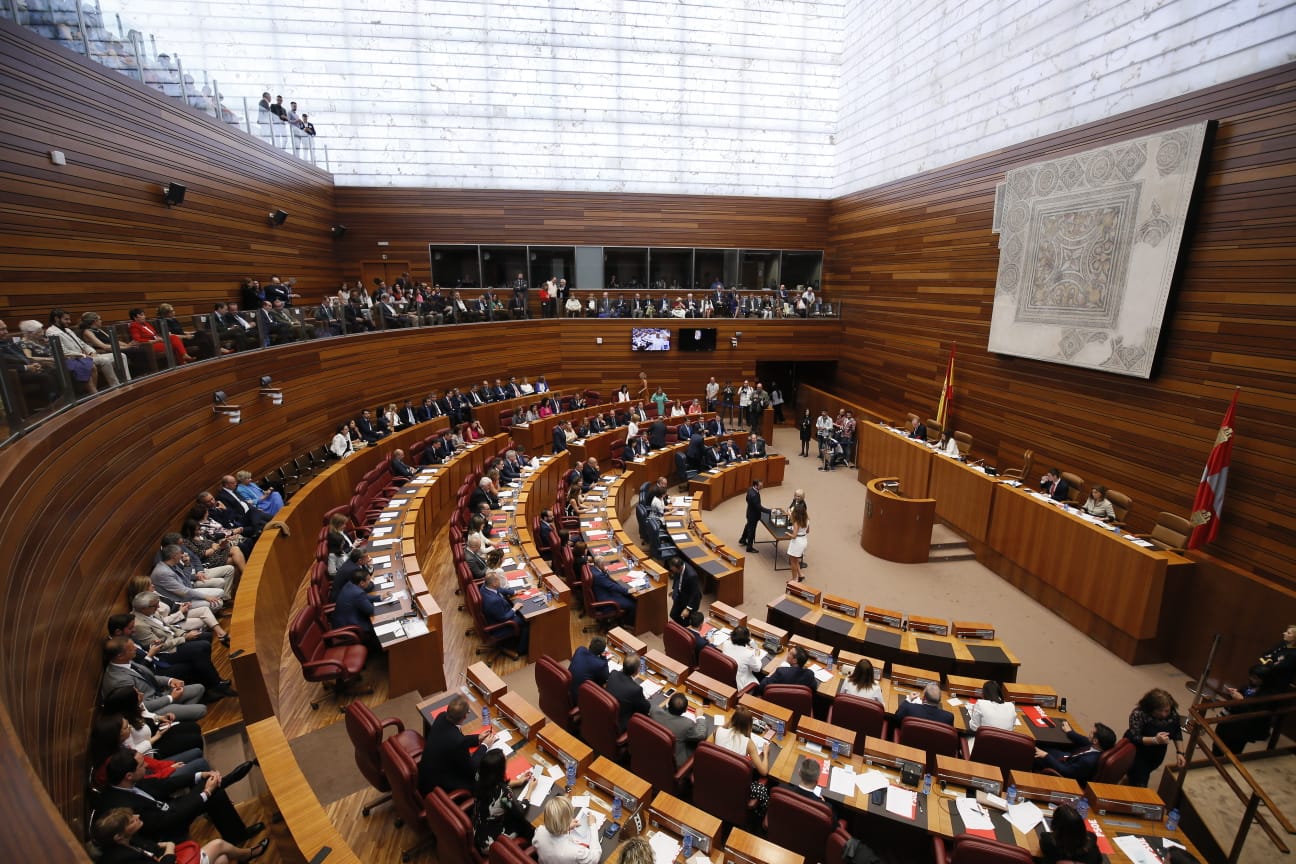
x,y
494,636
1171,532
682,470
606,613
930,736
718,665
366,733
678,642
1023,473
964,442
508,850
835,849
722,784
797,698
1115,762
934,431
652,755
554,685
600,721
1121,504
971,849
452,828
325,657
1007,751
1075,486
401,770
799,825
866,717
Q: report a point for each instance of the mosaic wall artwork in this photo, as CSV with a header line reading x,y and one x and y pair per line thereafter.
x,y
1087,251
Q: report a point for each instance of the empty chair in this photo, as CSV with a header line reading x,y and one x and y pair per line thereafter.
x,y
933,738
971,849
325,657
934,431
797,698
1171,532
600,721
865,717
401,771
1115,763
1121,504
964,442
799,825
679,644
366,733
1022,473
553,682
722,784
452,829
1075,486
1007,751
652,755
684,472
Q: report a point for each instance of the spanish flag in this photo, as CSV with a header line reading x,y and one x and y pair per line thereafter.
x,y
1209,503
947,393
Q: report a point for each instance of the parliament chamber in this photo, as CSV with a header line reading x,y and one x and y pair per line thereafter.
x,y
88,491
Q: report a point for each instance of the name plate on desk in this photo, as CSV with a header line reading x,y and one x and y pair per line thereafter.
x,y
664,666
1112,798
887,617
623,642
935,626
972,775
973,630
526,717
912,676
772,637
726,614
840,605
803,592
1031,694
563,746
820,652
710,690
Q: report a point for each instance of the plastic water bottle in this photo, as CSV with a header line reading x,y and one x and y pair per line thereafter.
x,y
688,844
1012,795
571,774
643,665
1082,806
836,748
616,808
927,781
486,715
1172,820
779,729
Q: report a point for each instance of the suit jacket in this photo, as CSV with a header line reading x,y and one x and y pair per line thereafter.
x,y
923,711
400,469
606,588
424,413
354,608
232,501
629,693
497,609
754,508
587,666
155,688
657,435
637,447
919,433
711,458
714,427
559,440
171,583
447,762
476,565
406,417
686,585
684,432
1079,766
727,452
368,431
791,675
478,496
589,476
164,821
1061,490
687,732
755,449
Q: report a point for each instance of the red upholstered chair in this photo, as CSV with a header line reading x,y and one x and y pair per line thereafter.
x,y
553,682
493,636
800,825
836,845
1007,751
606,613
401,770
508,850
722,784
678,642
935,739
366,733
797,698
452,829
718,665
324,656
971,849
867,717
652,755
600,721
1114,764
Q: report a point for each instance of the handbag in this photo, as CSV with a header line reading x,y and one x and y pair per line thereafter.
x,y
188,852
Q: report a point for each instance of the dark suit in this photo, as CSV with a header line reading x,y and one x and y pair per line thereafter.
x,y
587,666
695,452
168,821
714,427
547,539
629,693
589,476
728,453
920,433
1079,766
1061,491
684,432
687,594
368,431
424,413
606,588
478,496
559,440
687,733
922,710
637,446
400,469
789,675
754,511
354,608
447,762
755,449
437,451
247,514
497,609
657,435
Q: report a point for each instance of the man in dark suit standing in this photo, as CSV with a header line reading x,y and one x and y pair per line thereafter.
x,y
695,452
589,664
559,439
685,590
448,761
1082,764
628,691
657,434
754,512
928,709
796,673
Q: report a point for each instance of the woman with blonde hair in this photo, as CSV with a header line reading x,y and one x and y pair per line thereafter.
x,y
564,838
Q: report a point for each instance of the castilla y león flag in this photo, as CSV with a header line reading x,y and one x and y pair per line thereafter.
x,y
1209,503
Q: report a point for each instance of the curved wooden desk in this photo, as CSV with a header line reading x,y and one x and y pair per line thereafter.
x,y
896,528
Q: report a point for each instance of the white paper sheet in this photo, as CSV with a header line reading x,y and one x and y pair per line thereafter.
x,y
821,674
380,559
974,816
842,781
382,532
390,628
1025,816
650,688
901,802
540,789
871,781
556,772
664,847
1136,849
377,543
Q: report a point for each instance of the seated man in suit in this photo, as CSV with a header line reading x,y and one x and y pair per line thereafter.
x,y
628,691
437,450
589,474
427,410
711,457
636,446
354,606
756,447
401,471
485,492
806,783
474,557
928,709
606,588
511,467
589,664
695,621
162,694
794,673
714,427
247,512
917,430
357,561
1053,484
178,583
685,431
1080,764
728,453
167,649
448,760
687,732
497,607
368,427
547,536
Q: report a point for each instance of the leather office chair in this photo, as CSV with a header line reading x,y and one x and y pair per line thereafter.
x,y
401,770
452,829
1121,504
1007,751
964,442
508,850
716,664
600,721
493,636
652,755
799,825
553,682
1115,762
1171,532
683,471
1023,473
616,454
797,698
324,656
542,545
933,738
934,431
722,784
678,642
366,733
866,717
1075,487
971,849
606,613
835,849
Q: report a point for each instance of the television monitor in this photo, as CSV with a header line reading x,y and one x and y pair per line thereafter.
x,y
697,339
650,339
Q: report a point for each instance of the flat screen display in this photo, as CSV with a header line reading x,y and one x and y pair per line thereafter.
x,y
697,338
650,339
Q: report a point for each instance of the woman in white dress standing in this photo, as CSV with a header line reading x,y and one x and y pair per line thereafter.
x,y
800,521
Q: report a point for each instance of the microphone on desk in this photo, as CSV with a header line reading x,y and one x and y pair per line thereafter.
x,y
976,463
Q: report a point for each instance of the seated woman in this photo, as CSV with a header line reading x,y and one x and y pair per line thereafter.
x,y
159,735
496,812
114,833
191,341
340,543
111,732
623,394
563,838
210,541
543,409
1069,840
948,445
476,430
143,333
267,501
737,738
94,334
991,711
479,525
390,416
35,345
862,683
340,446
694,408
677,410
1098,505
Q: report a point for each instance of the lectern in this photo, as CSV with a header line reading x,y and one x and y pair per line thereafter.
x,y
896,528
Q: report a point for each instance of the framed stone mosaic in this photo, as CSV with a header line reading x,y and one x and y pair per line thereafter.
x,y
1087,250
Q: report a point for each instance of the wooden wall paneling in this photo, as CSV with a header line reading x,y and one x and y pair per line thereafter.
x,y
95,235
915,262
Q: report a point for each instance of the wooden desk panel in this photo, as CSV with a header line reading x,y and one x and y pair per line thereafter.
x,y
963,496
886,453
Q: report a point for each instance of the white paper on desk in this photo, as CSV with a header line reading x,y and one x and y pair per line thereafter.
x,y
974,816
516,583
664,847
387,514
508,508
380,559
842,781
556,772
954,701
416,627
871,781
391,628
382,532
383,583
1136,849
821,675
580,801
674,524
599,488
383,542
650,688
507,562
614,665
901,802
540,788
679,536
1024,816
503,736
811,747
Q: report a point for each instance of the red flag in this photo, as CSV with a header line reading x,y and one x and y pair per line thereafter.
x,y
947,393
1209,503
